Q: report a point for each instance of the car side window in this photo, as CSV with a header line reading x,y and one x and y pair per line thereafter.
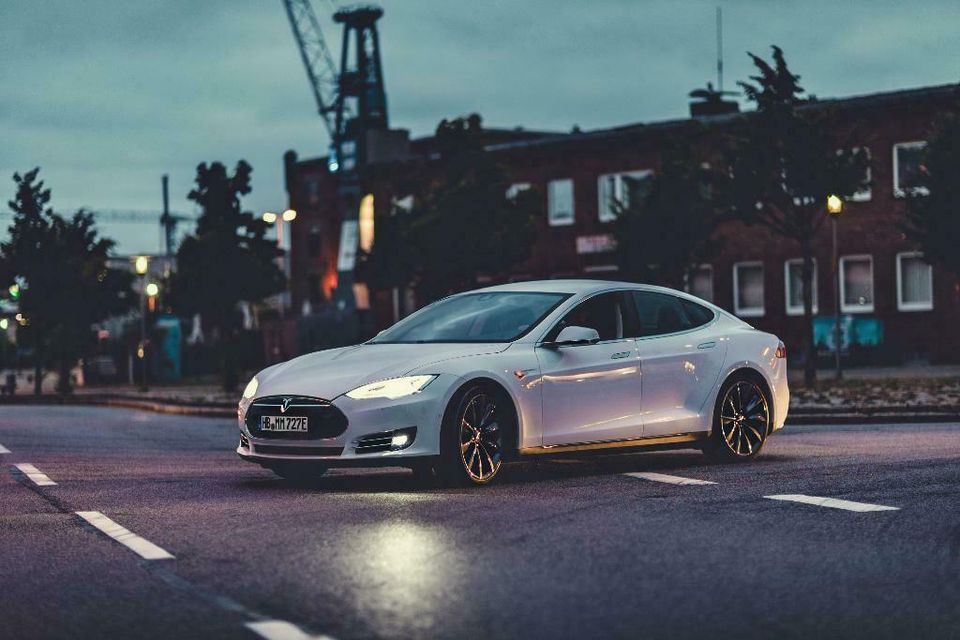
x,y
604,312
698,314
660,313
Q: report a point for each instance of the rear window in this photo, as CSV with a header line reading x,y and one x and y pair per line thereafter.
x,y
698,314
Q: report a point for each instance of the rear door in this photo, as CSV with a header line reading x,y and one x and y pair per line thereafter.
x,y
591,392
680,360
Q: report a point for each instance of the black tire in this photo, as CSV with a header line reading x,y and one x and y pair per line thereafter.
x,y
299,472
742,420
476,427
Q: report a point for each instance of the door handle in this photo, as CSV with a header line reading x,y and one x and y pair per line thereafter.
x,y
707,345
619,355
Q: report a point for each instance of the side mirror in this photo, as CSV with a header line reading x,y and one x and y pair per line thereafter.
x,y
575,335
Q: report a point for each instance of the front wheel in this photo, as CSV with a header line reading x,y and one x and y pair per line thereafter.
x,y
472,440
741,421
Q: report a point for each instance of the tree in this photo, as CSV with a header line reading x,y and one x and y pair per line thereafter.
x,y
462,224
226,262
65,286
661,237
932,220
784,164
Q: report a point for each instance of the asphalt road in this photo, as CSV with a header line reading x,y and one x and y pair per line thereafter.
x,y
559,549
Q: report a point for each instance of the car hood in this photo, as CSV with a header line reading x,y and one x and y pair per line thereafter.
x,y
331,373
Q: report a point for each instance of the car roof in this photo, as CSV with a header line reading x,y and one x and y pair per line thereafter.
x,y
571,286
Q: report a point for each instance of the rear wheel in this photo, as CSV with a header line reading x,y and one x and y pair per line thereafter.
x,y
741,421
473,436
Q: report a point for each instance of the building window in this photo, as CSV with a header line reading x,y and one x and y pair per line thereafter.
x,y
914,282
866,193
313,241
793,285
516,189
856,284
748,289
700,282
625,188
560,202
909,171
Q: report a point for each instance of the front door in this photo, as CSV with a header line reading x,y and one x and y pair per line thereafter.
x,y
591,392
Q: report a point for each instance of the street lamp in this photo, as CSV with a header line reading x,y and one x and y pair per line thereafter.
x,y
141,265
835,208
283,240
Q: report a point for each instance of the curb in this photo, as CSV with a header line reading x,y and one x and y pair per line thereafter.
x,y
220,410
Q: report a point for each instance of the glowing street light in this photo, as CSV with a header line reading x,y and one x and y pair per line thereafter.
x,y
4,323
289,215
141,264
269,217
834,204
152,289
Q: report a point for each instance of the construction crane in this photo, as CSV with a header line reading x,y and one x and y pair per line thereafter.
x,y
351,100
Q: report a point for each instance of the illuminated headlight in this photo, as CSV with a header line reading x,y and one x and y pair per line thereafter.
x,y
251,389
392,388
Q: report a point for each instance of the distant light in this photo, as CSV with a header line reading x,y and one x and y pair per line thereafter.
x,y
141,264
4,323
152,289
834,204
14,291
289,215
399,440
365,222
269,217
140,351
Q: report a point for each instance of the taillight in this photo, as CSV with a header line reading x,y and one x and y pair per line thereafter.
x,y
781,350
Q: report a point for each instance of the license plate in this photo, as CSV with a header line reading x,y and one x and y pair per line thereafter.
x,y
283,423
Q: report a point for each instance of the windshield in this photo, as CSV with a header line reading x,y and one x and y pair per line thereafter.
x,y
474,317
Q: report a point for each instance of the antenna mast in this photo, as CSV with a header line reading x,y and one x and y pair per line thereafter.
x,y
719,49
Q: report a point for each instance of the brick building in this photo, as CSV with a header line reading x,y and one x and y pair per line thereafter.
x,y
893,305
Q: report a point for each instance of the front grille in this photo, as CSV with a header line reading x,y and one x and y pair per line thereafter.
x,y
297,450
324,420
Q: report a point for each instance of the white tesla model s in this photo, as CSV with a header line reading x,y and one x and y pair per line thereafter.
x,y
523,370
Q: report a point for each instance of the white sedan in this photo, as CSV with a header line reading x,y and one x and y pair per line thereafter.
x,y
518,371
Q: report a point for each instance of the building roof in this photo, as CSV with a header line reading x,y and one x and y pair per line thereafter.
x,y
872,100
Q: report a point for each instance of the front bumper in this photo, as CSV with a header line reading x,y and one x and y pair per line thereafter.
x,y
366,419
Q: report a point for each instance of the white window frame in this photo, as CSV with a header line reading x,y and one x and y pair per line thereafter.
x,y
561,222
749,312
867,194
912,306
604,212
687,285
516,189
897,191
797,310
856,308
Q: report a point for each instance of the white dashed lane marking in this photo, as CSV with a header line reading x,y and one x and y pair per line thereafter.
x,y
662,477
281,630
141,546
833,503
35,475
3,449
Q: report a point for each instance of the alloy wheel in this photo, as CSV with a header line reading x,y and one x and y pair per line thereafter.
x,y
744,418
480,438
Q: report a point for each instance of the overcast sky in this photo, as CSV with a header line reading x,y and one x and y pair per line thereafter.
x,y
106,96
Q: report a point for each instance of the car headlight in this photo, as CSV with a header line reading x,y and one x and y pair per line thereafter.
x,y
251,389
392,388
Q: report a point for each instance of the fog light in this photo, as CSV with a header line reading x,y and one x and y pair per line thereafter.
x,y
402,438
